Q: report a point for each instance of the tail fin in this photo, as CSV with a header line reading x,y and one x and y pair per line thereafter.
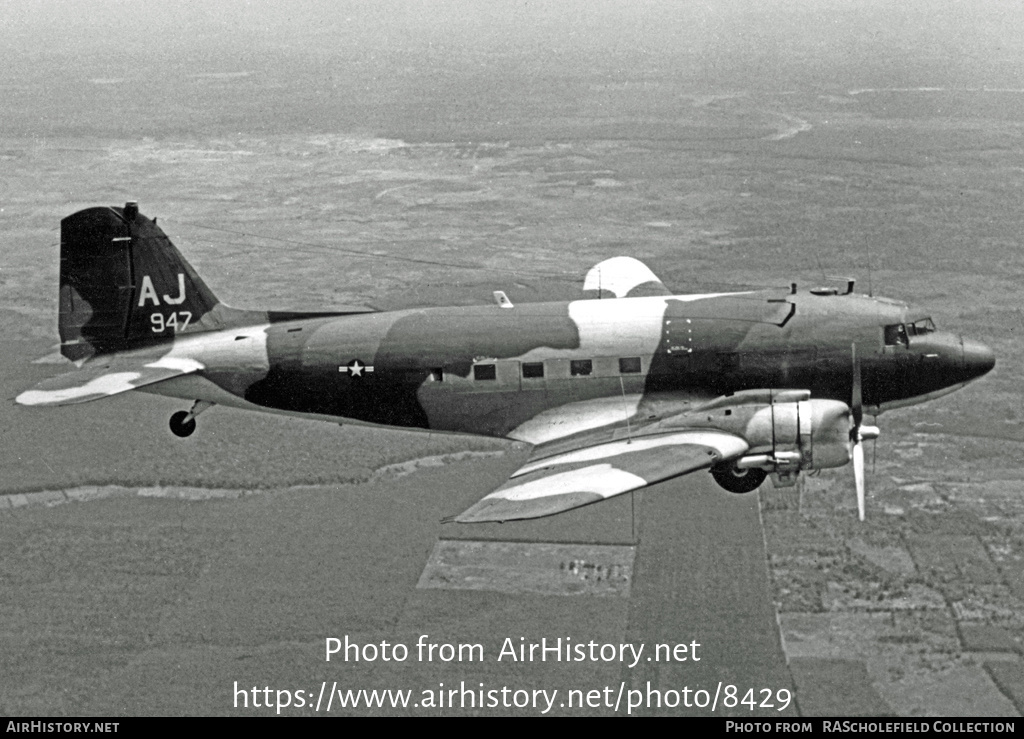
x,y
123,284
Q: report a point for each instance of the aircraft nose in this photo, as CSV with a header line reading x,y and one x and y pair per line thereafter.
x,y
978,358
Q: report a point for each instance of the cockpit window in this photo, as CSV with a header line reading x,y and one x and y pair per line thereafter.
x,y
918,328
896,334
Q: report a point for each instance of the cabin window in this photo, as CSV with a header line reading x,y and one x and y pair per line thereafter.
x,y
533,369
485,372
629,365
436,375
896,334
580,367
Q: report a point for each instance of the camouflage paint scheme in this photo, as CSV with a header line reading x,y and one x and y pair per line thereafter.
x,y
628,386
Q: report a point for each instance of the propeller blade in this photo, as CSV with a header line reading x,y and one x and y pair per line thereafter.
x,y
858,432
857,401
858,475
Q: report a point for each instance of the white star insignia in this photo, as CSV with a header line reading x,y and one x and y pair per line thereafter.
x,y
355,368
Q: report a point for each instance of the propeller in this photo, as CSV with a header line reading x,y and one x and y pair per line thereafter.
x,y
858,432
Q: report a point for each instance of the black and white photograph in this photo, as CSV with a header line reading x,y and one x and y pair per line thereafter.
x,y
513,358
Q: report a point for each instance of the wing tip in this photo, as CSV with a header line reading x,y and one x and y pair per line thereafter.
x,y
499,509
622,277
42,398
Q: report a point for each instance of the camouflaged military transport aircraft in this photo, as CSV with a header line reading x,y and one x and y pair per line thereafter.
x,y
626,387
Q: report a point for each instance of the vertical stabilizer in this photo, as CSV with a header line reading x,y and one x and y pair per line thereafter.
x,y
123,284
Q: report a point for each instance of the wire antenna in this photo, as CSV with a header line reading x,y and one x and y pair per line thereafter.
x,y
871,291
625,408
817,258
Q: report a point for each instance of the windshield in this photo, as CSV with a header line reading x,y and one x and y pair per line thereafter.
x,y
923,326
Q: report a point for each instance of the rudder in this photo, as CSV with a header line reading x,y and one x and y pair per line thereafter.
x,y
123,284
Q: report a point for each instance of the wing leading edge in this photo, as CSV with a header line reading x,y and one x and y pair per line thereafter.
x,y
582,476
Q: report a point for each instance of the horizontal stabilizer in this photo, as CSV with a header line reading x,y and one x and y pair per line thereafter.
x,y
282,316
100,379
582,476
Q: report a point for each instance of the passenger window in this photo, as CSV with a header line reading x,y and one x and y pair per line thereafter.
x,y
578,367
485,372
896,334
629,365
533,369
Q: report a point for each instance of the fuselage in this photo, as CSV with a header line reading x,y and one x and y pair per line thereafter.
x,y
623,389
496,370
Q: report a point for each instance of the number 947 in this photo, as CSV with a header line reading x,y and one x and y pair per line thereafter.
x,y
176,322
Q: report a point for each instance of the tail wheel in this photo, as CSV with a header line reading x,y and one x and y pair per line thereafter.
x,y
180,427
736,480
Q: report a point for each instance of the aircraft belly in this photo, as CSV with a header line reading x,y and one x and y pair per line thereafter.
x,y
488,414
195,387
236,383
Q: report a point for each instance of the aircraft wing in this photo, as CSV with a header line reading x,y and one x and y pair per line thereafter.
x,y
623,277
103,378
552,483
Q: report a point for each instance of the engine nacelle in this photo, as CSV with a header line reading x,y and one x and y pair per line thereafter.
x,y
787,432
802,435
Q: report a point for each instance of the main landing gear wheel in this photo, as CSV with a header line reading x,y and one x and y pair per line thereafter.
x,y
183,423
736,480
182,427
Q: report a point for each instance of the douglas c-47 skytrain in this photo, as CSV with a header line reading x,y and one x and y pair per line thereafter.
x,y
626,387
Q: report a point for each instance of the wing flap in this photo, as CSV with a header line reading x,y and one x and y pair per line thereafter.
x,y
579,477
103,379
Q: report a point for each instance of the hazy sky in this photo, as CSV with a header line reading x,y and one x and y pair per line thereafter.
x,y
830,31
340,63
